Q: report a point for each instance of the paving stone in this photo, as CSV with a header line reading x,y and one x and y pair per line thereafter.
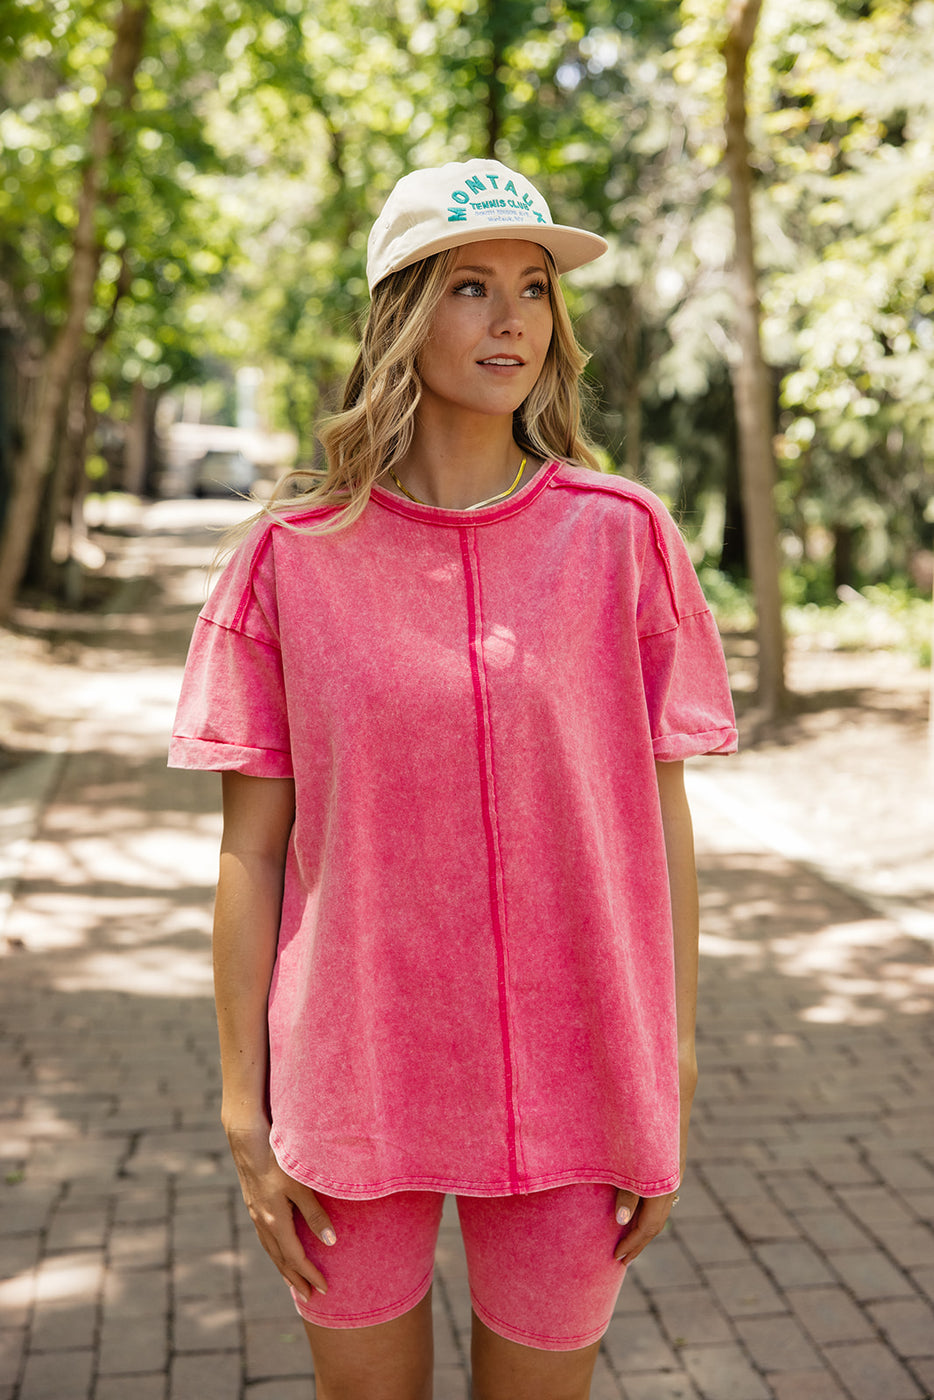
x,y
57,1375
832,1229
84,1228
205,1324
837,1171
923,1280
24,1211
664,1265
777,1344
923,1372
793,1263
744,1290
711,1241
675,1386
697,1201
64,1325
197,1232
690,1315
142,1347
903,1172
134,1293
12,1348
142,1205
447,1347
723,1373
869,1371
911,1245
304,1390
806,1385
876,1206
734,1181
211,1276
212,1376
150,1387
19,1256
869,1274
829,1314
759,1220
922,1203
274,1349
907,1325
638,1345
139,1246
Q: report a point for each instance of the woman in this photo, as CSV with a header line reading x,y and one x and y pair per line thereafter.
x,y
450,690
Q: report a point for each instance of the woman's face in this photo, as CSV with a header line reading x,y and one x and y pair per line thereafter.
x,y
491,330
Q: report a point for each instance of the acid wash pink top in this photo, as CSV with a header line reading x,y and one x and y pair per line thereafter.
x,y
474,987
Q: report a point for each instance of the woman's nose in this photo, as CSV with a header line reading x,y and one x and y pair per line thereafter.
x,y
507,317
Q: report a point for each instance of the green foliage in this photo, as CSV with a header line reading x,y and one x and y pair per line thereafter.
x,y
884,617
730,602
266,133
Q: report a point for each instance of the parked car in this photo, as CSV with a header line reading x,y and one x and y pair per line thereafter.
x,y
220,473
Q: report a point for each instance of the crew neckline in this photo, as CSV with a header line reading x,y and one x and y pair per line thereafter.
x,y
486,515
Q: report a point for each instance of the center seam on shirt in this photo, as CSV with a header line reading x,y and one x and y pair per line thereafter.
x,y
488,799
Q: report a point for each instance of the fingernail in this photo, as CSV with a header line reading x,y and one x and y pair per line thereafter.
x,y
329,1236
623,1215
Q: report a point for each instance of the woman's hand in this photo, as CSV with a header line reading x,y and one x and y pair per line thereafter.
x,y
270,1195
644,1218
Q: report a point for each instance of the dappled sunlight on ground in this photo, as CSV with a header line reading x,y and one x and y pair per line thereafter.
x,y
765,918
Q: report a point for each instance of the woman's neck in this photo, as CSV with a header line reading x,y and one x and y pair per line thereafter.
x,y
457,470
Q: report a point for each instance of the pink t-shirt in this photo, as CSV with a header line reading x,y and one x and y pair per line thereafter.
x,y
474,987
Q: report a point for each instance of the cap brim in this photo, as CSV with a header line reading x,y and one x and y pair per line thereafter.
x,y
569,247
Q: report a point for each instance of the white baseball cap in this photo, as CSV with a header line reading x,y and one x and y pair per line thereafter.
x,y
468,202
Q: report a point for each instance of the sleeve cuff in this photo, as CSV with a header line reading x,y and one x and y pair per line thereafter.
x,y
212,756
671,748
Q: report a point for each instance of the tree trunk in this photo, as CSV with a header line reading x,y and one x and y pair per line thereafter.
x,y
494,102
751,381
33,460
632,390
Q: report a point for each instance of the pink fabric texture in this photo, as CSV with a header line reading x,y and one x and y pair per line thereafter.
x,y
541,1266
474,988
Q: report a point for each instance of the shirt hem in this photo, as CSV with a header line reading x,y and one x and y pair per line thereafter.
x,y
463,1186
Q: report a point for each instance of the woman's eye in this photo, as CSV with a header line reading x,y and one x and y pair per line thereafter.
x,y
537,290
470,289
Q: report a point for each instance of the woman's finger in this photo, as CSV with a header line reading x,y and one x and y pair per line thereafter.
x,y
626,1205
279,1238
647,1222
316,1217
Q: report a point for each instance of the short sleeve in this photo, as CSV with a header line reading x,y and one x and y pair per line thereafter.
x,y
232,712
683,670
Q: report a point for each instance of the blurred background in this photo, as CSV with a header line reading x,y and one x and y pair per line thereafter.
x,y
186,190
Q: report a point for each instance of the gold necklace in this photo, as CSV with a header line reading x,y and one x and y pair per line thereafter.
x,y
490,501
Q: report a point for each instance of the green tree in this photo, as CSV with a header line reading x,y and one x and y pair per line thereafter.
x,y
103,148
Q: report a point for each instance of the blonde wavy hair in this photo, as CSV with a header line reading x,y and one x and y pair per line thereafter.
x,y
374,428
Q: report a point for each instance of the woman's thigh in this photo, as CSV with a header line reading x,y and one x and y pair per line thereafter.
x,y
382,1263
541,1267
543,1284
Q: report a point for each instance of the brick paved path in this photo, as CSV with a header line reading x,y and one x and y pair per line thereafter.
x,y
800,1264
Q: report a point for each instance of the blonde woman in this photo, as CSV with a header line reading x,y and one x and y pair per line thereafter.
x,y
450,690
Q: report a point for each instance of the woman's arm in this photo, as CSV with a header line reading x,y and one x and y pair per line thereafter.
x,y
258,817
649,1213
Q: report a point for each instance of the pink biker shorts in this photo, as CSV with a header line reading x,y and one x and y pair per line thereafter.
x,y
540,1266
